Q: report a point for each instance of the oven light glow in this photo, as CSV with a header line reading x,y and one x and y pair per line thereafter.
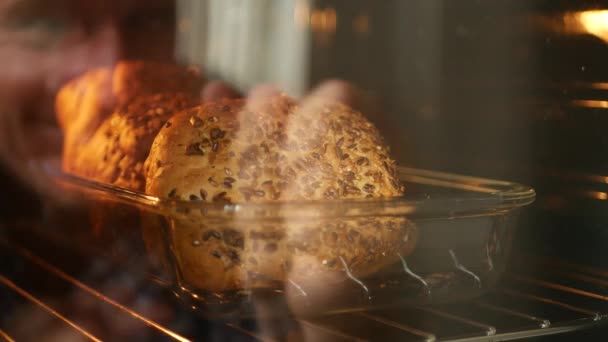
x,y
361,24
591,103
323,20
598,195
595,23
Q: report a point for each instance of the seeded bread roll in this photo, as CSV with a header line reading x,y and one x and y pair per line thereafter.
x,y
225,152
110,117
116,152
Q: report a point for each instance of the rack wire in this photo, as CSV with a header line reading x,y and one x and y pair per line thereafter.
x,y
564,297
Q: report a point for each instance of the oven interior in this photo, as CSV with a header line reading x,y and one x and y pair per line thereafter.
x,y
512,90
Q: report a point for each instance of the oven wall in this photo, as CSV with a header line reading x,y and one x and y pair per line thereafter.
x,y
489,88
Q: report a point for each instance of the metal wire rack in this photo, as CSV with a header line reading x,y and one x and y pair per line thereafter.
x,y
563,297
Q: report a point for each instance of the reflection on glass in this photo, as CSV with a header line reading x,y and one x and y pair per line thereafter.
x,y
597,195
324,20
361,24
591,103
595,23
586,22
301,14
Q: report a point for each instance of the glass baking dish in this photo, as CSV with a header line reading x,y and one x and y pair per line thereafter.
x,y
458,231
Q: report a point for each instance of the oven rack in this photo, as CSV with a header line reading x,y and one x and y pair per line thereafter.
x,y
545,297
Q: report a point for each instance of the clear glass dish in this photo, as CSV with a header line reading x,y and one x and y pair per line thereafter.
x,y
457,230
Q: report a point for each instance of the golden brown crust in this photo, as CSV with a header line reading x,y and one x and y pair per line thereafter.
x,y
228,152
116,152
340,154
224,151
202,152
81,106
110,117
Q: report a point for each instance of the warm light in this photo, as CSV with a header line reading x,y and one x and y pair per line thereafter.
x,y
361,24
324,21
591,103
595,23
598,85
315,20
590,22
597,195
301,14
330,20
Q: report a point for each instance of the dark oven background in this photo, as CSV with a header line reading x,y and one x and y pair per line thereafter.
x,y
501,89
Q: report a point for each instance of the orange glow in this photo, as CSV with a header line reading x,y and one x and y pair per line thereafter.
x,y
591,103
361,24
595,23
598,85
590,22
598,195
330,20
5,336
324,20
315,20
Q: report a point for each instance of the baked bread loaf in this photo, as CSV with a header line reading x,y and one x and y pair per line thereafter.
x,y
110,117
226,152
